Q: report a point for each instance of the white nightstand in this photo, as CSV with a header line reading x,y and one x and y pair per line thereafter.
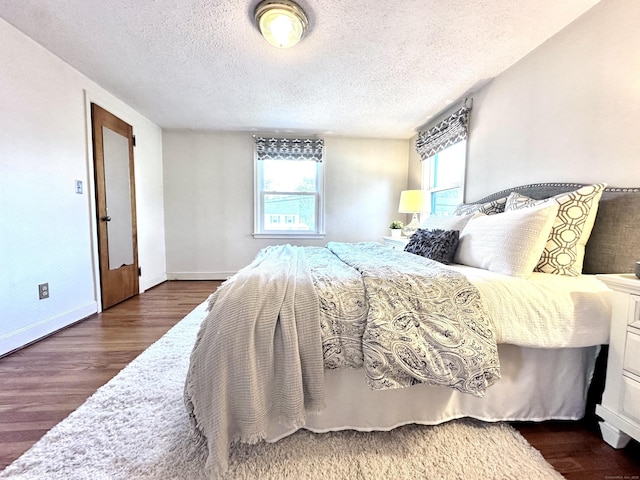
x,y
620,408
397,243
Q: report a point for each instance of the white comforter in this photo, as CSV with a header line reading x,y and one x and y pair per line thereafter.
x,y
544,310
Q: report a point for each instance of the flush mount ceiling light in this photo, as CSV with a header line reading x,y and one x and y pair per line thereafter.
x,y
282,23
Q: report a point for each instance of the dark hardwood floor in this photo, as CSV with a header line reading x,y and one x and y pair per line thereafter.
x,y
44,382
577,451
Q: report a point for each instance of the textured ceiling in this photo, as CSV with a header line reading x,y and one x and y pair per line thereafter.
x,y
366,67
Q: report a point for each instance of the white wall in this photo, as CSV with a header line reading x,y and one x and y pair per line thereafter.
x,y
568,112
46,229
209,197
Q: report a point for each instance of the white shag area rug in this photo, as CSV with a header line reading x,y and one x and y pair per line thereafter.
x,y
136,427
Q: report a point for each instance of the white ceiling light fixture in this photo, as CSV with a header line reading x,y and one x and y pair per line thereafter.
x,y
282,23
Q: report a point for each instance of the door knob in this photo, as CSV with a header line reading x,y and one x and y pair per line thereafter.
x,y
106,218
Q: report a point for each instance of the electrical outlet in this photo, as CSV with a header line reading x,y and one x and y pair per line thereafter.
x,y
79,186
43,290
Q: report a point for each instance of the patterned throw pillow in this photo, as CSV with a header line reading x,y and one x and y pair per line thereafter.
x,y
438,245
516,201
489,208
564,251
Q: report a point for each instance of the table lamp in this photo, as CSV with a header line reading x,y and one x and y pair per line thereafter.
x,y
412,201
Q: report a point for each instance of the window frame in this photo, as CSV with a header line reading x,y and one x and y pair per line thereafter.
x,y
259,195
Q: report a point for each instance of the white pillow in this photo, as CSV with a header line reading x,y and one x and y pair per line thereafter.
x,y
564,250
510,243
441,222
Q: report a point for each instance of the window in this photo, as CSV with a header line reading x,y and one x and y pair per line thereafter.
x,y
443,178
443,151
289,188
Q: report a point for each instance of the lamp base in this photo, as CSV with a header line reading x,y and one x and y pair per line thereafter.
x,y
411,228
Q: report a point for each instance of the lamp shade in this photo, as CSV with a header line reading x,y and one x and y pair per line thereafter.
x,y
413,201
282,23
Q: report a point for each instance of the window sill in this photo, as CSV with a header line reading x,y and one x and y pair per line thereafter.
x,y
288,235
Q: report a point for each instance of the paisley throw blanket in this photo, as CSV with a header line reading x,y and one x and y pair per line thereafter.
x,y
343,308
408,319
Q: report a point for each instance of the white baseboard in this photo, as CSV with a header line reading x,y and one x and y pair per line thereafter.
x,y
153,281
199,275
31,333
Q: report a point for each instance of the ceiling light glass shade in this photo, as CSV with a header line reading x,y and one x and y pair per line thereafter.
x,y
282,23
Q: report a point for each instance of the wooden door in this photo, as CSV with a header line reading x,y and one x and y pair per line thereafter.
x,y
115,206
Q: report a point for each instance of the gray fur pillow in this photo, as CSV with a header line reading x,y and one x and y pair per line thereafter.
x,y
438,245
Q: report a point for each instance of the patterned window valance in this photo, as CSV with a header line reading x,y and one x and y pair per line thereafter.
x,y
289,148
451,130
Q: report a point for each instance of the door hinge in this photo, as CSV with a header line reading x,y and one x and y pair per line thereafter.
x,y
139,271
134,140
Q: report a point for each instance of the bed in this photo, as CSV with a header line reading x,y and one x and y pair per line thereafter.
x,y
358,336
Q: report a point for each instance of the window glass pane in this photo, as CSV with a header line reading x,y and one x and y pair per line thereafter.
x,y
444,202
289,175
448,165
289,212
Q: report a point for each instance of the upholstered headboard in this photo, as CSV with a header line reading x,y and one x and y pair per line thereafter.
x,y
614,245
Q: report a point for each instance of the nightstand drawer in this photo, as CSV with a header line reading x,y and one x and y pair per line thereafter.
x,y
631,398
621,397
396,243
632,354
634,311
